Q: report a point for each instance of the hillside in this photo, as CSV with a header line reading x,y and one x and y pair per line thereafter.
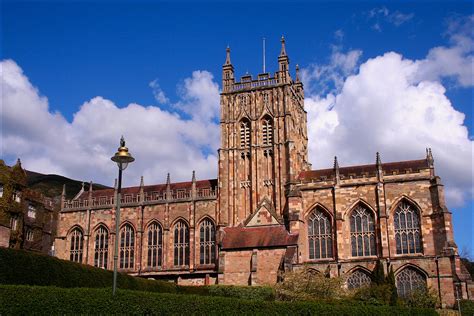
x,y
51,185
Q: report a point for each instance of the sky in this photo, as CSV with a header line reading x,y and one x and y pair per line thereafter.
x,y
390,77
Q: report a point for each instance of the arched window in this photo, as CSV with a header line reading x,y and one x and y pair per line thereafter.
x,y
207,242
101,247
155,245
245,133
407,229
362,232
77,241
409,280
127,247
181,244
319,235
358,279
267,131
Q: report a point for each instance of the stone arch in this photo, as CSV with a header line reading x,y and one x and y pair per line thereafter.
x,y
399,200
100,238
406,222
315,205
181,240
204,217
359,201
98,225
320,233
358,277
410,278
154,243
127,222
75,238
362,222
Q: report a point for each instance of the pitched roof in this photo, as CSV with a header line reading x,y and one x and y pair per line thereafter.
x,y
370,170
257,237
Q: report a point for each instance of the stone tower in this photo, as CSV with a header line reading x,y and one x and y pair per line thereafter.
x,y
263,141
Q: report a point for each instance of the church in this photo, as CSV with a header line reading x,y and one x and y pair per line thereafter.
x,y
268,212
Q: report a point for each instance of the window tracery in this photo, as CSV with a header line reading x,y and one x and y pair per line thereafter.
x,y
181,244
362,232
358,279
76,247
319,235
155,245
207,242
409,280
407,229
101,247
127,247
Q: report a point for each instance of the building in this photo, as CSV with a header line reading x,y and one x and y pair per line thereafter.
x,y
27,217
268,212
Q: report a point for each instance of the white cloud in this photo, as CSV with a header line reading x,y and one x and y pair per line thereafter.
x,y
384,15
387,107
160,140
327,78
456,61
158,93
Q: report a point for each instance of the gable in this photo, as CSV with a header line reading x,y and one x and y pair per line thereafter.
x,y
263,216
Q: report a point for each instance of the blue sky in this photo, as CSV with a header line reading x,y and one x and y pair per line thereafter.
x,y
91,60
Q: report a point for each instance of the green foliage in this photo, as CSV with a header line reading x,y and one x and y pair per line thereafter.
x,y
421,298
378,273
390,281
20,300
22,267
304,285
467,307
376,294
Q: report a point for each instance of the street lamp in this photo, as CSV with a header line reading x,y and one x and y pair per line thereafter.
x,y
122,157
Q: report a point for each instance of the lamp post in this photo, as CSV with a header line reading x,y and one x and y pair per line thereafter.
x,y
122,157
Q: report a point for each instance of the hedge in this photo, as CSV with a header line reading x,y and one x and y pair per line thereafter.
x,y
20,300
28,268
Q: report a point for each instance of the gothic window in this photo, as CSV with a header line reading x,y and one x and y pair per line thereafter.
x,y
31,211
407,229
29,235
267,131
409,280
207,242
181,244
362,232
101,247
244,134
155,245
358,279
319,235
127,247
77,240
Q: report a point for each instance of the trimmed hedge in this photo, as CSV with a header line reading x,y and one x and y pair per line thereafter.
x,y
20,300
23,267
28,268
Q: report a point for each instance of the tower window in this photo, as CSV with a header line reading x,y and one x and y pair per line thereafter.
x,y
244,134
267,131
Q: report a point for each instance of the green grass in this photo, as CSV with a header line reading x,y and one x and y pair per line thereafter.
x,y
21,300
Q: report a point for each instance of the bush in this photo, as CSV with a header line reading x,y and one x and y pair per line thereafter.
x,y
467,307
376,294
304,285
421,298
20,300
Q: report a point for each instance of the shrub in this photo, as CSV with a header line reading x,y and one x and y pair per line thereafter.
x,y
421,298
375,294
303,285
20,300
467,307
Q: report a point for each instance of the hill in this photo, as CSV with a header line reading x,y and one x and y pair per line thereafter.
x,y
51,185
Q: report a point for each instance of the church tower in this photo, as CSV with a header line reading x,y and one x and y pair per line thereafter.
x,y
263,141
